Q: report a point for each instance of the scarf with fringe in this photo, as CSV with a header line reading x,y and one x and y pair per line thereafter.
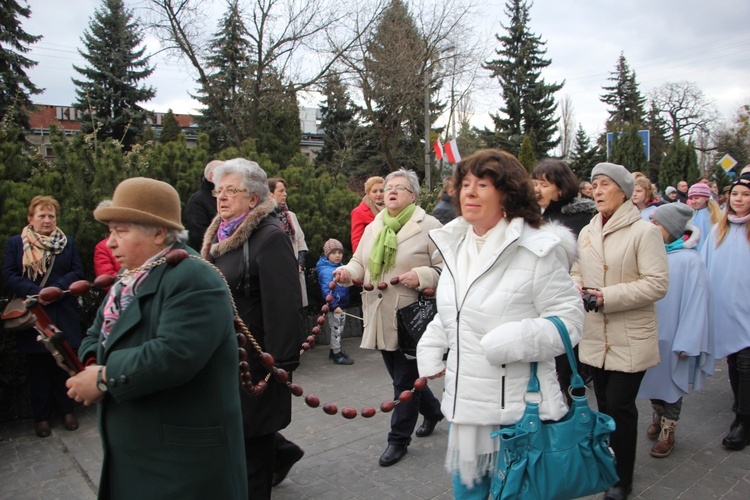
x,y
121,295
38,249
282,212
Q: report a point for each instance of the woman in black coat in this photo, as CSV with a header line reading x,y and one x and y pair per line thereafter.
x,y
246,242
556,188
40,248
556,191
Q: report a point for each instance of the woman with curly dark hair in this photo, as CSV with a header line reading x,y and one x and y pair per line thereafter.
x,y
504,273
556,188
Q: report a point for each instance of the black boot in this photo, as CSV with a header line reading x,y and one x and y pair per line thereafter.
x,y
428,426
392,454
739,436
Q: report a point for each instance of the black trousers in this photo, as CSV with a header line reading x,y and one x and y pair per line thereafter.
x,y
47,387
739,379
404,372
287,452
260,453
615,396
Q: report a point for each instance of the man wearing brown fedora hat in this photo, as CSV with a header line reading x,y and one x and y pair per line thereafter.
x,y
161,360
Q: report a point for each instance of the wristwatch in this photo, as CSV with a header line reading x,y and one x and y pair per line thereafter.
x,y
101,384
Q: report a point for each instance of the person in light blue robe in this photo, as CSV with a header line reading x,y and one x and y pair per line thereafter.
x,y
685,330
726,254
707,211
702,220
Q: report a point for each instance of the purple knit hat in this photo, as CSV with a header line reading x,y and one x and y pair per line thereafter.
x,y
700,189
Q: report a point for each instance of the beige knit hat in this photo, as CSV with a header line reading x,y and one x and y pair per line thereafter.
x,y
143,201
331,245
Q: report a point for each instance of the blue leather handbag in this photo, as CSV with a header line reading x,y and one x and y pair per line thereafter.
x,y
566,459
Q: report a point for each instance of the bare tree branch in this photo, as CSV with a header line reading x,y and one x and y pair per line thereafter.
x,y
283,33
685,108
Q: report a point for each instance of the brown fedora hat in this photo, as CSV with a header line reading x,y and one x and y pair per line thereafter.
x,y
143,201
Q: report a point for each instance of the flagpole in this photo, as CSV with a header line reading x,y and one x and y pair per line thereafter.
x,y
427,143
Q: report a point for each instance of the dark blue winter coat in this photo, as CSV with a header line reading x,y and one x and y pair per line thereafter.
x,y
64,312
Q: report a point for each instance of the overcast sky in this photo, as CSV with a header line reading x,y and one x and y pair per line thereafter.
x,y
701,41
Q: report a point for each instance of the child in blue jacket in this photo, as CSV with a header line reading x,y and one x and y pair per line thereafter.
x,y
333,252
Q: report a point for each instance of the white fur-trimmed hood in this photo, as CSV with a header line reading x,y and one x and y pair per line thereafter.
x,y
568,243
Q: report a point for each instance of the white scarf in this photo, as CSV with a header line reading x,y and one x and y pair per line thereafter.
x,y
472,452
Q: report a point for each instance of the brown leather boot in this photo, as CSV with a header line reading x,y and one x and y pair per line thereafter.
x,y
655,428
665,444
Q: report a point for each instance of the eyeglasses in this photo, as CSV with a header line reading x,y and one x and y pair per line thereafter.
x,y
231,191
399,189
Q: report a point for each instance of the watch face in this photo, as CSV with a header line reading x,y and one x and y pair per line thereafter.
x,y
100,383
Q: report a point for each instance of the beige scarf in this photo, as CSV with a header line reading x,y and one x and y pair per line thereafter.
x,y
38,249
374,207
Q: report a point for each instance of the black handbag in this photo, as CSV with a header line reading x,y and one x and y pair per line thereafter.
x,y
412,321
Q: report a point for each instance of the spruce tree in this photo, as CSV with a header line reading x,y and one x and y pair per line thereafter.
x,y
392,83
15,87
228,104
526,154
659,133
110,91
584,156
623,97
278,131
529,104
170,129
627,150
339,126
680,163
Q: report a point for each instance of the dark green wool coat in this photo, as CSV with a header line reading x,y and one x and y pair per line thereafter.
x,y
171,423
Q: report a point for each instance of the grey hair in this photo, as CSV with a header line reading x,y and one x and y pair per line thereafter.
x,y
171,236
210,167
254,178
410,176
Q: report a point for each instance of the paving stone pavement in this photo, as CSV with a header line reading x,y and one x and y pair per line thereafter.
x,y
341,456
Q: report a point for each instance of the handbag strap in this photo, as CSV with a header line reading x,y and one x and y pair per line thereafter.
x,y
49,271
576,382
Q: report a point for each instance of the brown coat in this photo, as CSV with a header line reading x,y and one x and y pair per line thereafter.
x,y
627,260
416,252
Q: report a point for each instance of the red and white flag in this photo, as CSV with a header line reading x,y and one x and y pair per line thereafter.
x,y
438,147
451,151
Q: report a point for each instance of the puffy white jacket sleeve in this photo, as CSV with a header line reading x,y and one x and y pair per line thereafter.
x,y
431,347
537,339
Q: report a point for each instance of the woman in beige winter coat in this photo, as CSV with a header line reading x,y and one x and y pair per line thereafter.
x,y
623,264
396,245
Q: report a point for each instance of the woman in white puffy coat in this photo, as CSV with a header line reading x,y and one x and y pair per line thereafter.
x,y
503,274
